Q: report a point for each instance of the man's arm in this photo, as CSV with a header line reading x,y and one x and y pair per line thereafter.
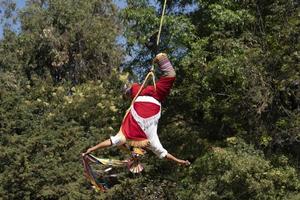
x,y
103,144
178,161
156,147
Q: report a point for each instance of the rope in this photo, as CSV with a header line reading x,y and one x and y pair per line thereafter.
x,y
161,22
159,31
137,94
151,73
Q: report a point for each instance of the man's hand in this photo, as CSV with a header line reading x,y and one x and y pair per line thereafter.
x,y
184,162
87,152
178,161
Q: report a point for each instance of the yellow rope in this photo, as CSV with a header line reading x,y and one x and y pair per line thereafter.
x,y
161,22
137,94
159,30
151,73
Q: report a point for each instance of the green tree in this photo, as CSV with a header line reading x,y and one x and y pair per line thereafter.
x,y
59,94
233,112
232,58
71,40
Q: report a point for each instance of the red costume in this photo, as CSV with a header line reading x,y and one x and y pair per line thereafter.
x,y
140,124
130,128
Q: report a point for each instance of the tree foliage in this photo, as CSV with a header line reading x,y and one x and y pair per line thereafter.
x,y
233,112
71,40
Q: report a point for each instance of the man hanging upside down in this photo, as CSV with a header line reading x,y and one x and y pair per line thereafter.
x,y
139,128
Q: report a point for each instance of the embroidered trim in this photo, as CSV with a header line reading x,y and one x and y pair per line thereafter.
x,y
145,123
147,99
141,143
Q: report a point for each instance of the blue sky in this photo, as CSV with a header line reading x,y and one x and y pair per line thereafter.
x,y
21,3
120,3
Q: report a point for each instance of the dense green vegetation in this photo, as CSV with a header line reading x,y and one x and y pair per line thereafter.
x,y
233,112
